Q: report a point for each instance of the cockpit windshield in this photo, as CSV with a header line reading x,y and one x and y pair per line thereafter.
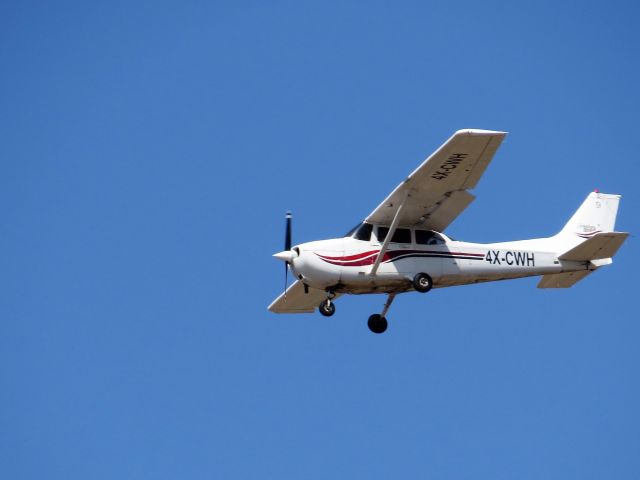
x,y
350,232
362,231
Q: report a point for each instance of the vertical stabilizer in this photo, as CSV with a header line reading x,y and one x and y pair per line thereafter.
x,y
597,214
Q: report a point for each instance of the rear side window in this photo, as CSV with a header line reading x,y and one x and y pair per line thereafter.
x,y
427,237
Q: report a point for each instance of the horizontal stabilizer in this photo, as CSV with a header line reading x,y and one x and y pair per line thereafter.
x,y
562,280
601,245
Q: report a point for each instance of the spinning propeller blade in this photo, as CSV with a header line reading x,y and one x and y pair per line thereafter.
x,y
287,247
287,235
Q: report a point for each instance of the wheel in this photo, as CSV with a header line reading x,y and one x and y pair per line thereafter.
x,y
377,324
422,282
327,308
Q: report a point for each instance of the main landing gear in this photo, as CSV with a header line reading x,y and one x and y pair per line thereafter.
x,y
378,322
422,282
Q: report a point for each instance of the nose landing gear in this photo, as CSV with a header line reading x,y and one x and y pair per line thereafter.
x,y
327,307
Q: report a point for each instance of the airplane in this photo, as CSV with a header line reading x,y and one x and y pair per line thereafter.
x,y
400,247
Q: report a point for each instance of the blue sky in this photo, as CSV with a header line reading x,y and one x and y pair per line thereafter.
x,y
149,151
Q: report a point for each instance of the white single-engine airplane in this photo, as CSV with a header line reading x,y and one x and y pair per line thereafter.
x,y
400,246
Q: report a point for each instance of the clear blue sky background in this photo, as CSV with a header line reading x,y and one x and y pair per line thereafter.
x,y
148,153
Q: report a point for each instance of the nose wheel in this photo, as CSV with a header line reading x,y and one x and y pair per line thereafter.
x,y
327,308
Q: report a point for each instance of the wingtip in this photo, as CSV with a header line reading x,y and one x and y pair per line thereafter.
x,y
477,131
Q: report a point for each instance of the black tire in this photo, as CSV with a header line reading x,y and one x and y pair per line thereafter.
x,y
377,324
327,308
422,283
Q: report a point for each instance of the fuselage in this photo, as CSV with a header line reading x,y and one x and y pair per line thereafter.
x,y
345,264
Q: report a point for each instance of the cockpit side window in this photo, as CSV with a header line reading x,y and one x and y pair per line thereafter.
x,y
363,232
427,237
401,235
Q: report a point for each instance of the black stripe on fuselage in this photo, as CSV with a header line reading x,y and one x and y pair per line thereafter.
x,y
433,255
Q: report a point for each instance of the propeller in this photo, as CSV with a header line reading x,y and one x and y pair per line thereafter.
x,y
287,234
287,255
287,248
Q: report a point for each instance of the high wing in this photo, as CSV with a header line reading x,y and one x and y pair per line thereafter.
x,y
436,192
297,301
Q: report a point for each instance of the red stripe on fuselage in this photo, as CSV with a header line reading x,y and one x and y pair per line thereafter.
x,y
348,257
368,258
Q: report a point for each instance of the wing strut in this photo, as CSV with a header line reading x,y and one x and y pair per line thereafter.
x,y
392,230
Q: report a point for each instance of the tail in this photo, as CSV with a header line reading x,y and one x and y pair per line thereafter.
x,y
588,236
597,214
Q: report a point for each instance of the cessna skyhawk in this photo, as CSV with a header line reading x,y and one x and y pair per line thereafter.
x,y
400,246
